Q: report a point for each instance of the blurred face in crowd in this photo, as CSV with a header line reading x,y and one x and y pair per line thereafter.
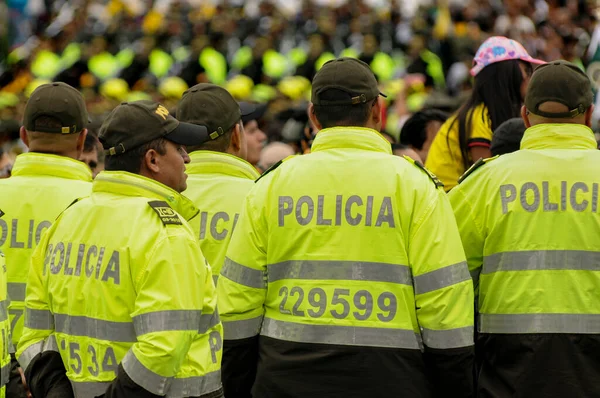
x,y
168,169
91,159
408,152
255,140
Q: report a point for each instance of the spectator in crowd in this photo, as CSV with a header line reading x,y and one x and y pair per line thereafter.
x,y
255,137
405,150
273,153
507,137
420,129
502,68
93,154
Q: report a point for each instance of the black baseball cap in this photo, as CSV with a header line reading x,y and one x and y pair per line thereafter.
x,y
59,101
562,82
254,111
132,124
213,107
507,137
345,74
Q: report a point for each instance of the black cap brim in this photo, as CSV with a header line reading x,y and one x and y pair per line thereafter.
x,y
252,111
188,134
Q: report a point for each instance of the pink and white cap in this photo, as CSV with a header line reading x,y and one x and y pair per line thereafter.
x,y
500,48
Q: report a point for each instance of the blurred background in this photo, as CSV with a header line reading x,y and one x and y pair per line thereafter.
x,y
267,51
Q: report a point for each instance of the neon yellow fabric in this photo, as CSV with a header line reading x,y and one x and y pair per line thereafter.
x,y
51,183
215,65
46,65
6,343
528,222
217,184
160,62
317,251
445,159
103,65
128,285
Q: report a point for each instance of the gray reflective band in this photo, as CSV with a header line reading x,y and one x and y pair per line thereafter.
x,y
539,323
235,330
89,389
576,260
340,270
342,335
195,386
5,374
450,338
123,332
208,321
162,321
441,278
4,310
143,376
39,319
16,291
30,352
243,275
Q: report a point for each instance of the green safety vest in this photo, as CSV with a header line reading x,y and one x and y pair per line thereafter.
x,y
313,258
533,274
51,183
140,295
217,184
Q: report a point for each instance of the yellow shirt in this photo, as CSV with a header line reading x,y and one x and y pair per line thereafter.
x,y
445,159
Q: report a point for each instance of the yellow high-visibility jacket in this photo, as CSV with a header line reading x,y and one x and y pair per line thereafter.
x,y
529,223
40,188
120,279
347,247
217,184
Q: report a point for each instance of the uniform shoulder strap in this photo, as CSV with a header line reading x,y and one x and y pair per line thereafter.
x,y
420,165
166,214
475,166
276,165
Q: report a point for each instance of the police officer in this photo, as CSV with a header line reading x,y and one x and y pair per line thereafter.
x,y
5,341
119,288
44,181
345,274
219,178
529,223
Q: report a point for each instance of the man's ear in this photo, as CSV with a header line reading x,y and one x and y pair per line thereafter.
x,y
24,136
236,139
525,116
81,142
376,111
313,118
151,162
588,116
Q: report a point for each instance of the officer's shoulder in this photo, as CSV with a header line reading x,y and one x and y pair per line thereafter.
x,y
275,166
478,164
165,213
433,177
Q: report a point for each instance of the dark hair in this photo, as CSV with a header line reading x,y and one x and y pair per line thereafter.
x,y
507,137
414,130
91,143
498,86
131,161
219,144
399,147
342,115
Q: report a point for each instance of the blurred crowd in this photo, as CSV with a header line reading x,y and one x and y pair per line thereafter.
x,y
267,51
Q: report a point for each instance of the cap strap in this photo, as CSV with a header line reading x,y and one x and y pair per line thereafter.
x,y
562,115
216,134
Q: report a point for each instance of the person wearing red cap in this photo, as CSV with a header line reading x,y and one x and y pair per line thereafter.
x,y
502,68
